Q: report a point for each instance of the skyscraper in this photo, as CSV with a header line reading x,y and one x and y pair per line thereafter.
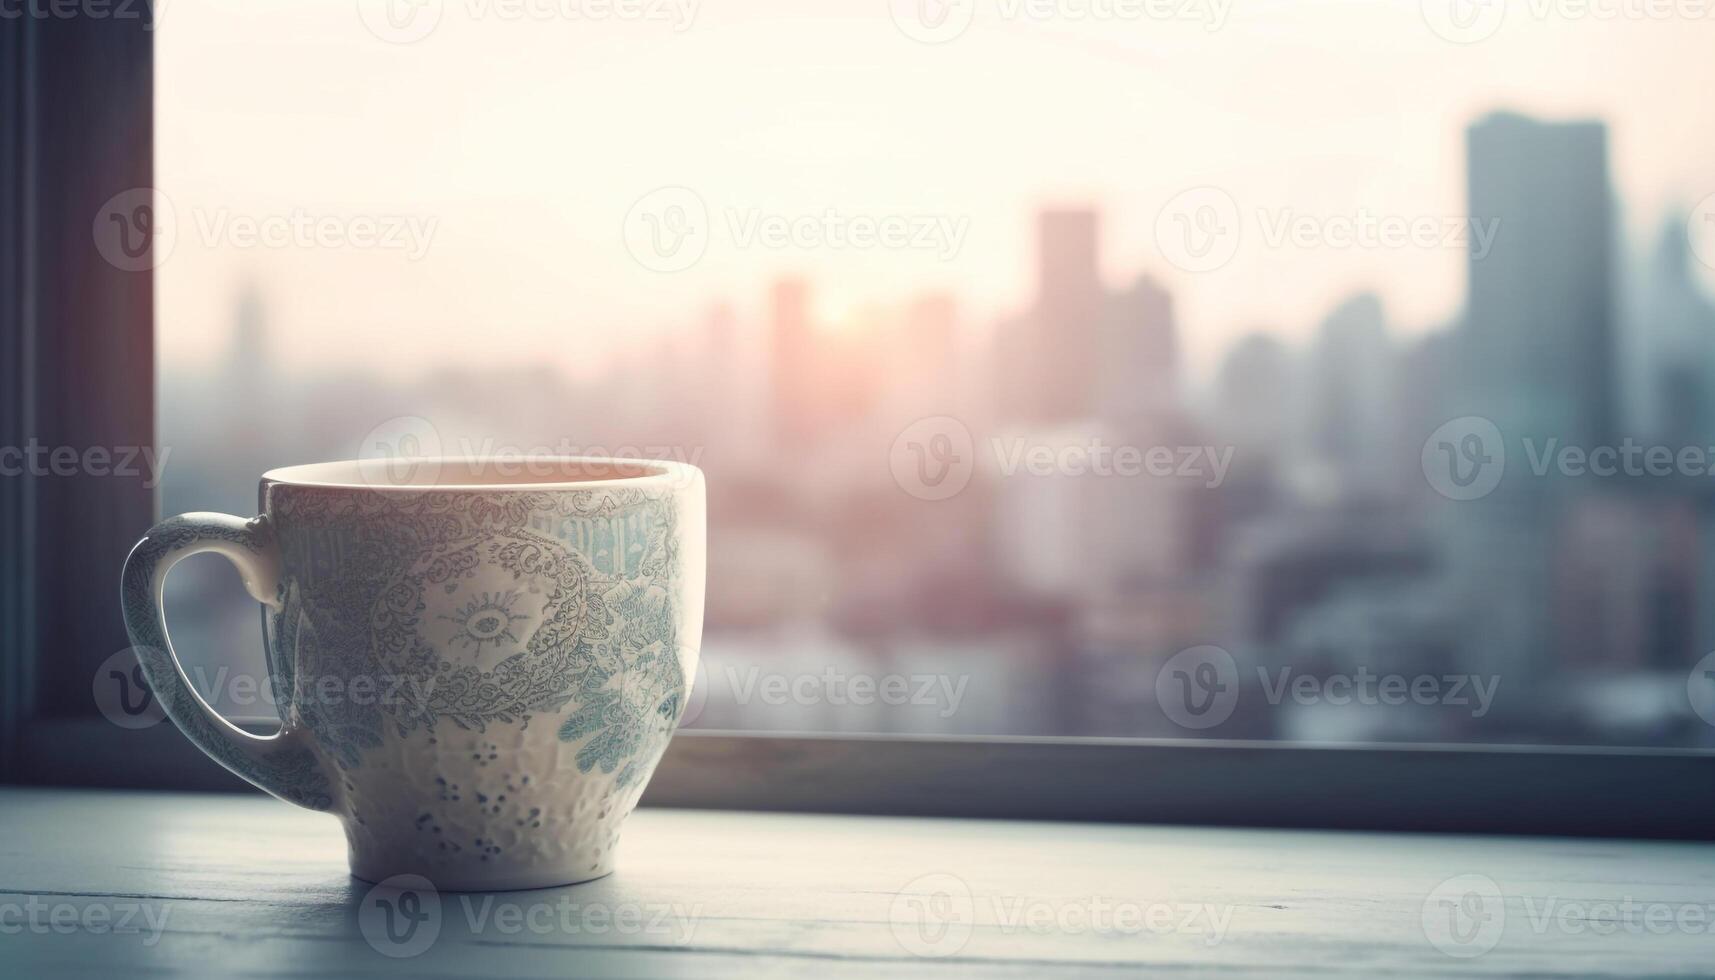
x,y
1352,394
1049,357
1535,356
1538,350
247,373
1254,395
793,364
1068,269
1677,323
1136,366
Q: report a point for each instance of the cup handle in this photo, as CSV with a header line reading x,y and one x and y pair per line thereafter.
x,y
285,763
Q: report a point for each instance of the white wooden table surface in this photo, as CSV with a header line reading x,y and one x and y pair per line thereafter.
x,y
118,884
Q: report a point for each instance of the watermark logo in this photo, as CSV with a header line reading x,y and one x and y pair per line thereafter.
x,y
303,228
122,694
932,21
1464,459
403,451
1700,228
1464,916
1198,688
1470,21
1464,21
1700,689
136,230
409,21
667,229
940,21
404,915
151,12
400,21
37,459
1362,687
836,230
1096,458
1363,228
401,916
933,458
39,916
698,698
407,453
932,916
1199,229
841,689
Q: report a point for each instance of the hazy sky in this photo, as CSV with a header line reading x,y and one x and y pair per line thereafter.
x,y
508,151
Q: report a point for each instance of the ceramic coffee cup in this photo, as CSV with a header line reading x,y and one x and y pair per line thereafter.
x,y
478,665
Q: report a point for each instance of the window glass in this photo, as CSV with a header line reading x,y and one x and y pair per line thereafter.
x,y
1320,371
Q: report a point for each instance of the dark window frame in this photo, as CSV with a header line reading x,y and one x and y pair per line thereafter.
x,y
78,371
77,368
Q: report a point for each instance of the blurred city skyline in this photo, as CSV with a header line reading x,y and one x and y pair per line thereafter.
x,y
1330,511
528,170
1331,261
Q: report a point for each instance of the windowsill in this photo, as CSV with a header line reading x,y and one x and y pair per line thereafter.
x,y
1481,789
247,884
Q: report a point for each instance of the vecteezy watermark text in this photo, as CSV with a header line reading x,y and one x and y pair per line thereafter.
x,y
1470,21
409,451
839,688
934,458
408,21
934,916
506,460
1465,458
40,916
669,229
1206,464
1467,915
138,229
1199,688
148,11
403,916
1362,687
941,234
1201,229
939,21
123,696
35,459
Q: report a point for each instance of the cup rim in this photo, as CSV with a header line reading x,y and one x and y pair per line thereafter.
x,y
502,474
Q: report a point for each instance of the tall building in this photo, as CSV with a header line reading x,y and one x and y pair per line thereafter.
x,y
250,332
1049,357
1677,321
1538,357
920,364
1068,267
709,376
1423,370
1254,394
247,376
1352,395
793,365
1137,354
